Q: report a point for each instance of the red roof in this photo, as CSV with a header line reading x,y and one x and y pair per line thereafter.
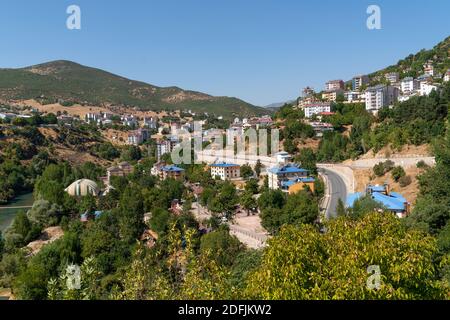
x,y
327,113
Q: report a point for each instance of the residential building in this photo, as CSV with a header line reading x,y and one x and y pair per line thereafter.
x,y
172,172
332,96
298,184
137,137
428,68
334,85
391,201
226,171
447,76
426,88
283,158
166,146
392,77
92,117
317,108
129,120
308,92
123,169
321,127
409,84
281,174
359,81
151,123
354,97
380,96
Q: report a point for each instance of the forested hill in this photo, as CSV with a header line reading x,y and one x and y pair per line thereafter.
x,y
69,82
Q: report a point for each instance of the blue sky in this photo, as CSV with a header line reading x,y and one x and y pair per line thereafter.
x,y
258,50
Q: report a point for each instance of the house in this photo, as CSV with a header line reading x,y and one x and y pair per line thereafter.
x,y
359,81
317,108
137,137
283,157
171,172
392,201
129,121
308,92
321,127
123,169
392,77
296,185
428,68
279,174
334,85
226,171
380,96
409,84
447,76
151,123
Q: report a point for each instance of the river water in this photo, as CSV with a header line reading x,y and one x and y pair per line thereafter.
x,y
8,212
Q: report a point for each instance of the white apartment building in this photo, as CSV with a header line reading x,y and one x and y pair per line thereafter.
x,y
334,85
316,108
354,96
380,96
226,171
426,88
409,84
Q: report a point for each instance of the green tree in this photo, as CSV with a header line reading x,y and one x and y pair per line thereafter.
x,y
302,263
221,246
131,214
246,171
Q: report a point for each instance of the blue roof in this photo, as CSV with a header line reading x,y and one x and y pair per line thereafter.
x,y
352,197
393,202
172,169
289,183
224,165
287,169
377,188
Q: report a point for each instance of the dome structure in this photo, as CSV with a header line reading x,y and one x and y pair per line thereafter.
x,y
83,187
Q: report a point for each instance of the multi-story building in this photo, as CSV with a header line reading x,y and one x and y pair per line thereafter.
x,y
359,81
392,77
226,171
332,95
279,175
129,121
151,123
426,88
137,137
123,169
380,96
334,85
316,108
171,172
354,97
409,84
308,92
428,68
447,76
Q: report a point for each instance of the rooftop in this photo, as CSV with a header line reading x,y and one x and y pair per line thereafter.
x,y
224,165
287,169
172,169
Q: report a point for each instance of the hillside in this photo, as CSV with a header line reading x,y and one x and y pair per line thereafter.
x,y
69,83
412,65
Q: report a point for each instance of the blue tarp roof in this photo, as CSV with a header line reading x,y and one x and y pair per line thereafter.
x,y
287,169
172,169
224,165
393,202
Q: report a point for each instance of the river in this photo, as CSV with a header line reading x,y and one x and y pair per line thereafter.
x,y
8,212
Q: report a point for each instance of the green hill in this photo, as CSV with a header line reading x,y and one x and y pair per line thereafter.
x,y
68,82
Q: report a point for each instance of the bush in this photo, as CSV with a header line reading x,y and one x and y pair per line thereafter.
x,y
397,173
422,165
378,169
405,181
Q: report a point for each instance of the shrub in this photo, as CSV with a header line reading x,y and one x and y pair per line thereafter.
x,y
405,181
397,173
422,165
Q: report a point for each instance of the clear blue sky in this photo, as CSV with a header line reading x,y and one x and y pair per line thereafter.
x,y
258,50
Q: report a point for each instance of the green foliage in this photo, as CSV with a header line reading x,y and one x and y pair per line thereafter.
x,y
405,181
397,173
363,206
301,263
131,153
246,171
220,246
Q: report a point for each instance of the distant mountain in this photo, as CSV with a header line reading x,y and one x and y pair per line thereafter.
x,y
69,82
277,105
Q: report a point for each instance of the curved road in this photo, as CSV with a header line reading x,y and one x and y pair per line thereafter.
x,y
335,190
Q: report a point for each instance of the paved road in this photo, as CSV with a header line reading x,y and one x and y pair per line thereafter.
x,y
337,190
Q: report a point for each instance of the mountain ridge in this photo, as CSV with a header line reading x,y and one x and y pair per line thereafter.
x,y
69,82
